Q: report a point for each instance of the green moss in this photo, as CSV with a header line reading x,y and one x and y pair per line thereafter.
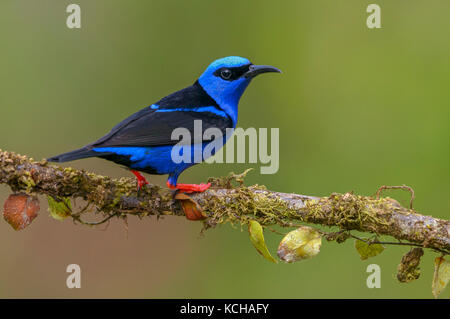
x,y
347,211
27,180
243,205
229,181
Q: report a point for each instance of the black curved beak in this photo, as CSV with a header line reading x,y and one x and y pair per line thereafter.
x,y
255,70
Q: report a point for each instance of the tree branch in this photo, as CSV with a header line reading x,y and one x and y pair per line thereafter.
x,y
224,202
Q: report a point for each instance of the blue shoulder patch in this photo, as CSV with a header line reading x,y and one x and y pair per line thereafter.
x,y
210,109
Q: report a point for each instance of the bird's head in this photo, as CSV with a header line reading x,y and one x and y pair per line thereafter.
x,y
226,79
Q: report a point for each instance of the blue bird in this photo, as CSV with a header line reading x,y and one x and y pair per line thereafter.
x,y
143,142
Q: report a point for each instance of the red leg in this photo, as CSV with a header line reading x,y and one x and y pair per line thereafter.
x,y
189,188
141,181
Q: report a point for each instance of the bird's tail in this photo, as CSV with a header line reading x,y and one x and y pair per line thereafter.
x,y
74,155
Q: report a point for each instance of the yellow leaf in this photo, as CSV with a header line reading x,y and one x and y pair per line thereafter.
x,y
257,239
299,244
59,208
368,250
441,276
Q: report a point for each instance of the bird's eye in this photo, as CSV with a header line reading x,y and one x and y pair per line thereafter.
x,y
225,74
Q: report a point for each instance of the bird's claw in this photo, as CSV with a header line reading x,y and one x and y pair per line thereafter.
x,y
190,188
141,181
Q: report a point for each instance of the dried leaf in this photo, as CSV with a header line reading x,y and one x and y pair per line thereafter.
x,y
408,269
368,250
441,276
257,239
300,244
59,208
190,207
19,210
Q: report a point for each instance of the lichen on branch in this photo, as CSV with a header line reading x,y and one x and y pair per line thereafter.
x,y
225,202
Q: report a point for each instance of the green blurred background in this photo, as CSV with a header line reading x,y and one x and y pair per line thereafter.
x,y
357,109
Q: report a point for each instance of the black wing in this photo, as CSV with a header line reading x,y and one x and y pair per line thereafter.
x,y
150,127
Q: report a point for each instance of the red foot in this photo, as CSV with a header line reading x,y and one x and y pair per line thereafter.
x,y
189,188
141,181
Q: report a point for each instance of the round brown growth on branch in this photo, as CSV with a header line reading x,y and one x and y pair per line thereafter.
x,y
19,210
408,270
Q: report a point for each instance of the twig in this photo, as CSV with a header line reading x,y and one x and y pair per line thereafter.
x,y
408,188
370,242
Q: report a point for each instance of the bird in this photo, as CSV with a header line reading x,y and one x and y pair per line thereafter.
x,y
143,141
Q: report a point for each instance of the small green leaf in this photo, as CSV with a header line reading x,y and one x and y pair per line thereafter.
x,y
257,239
59,208
368,250
441,276
302,243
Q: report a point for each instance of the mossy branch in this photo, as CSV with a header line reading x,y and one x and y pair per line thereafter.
x,y
224,202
